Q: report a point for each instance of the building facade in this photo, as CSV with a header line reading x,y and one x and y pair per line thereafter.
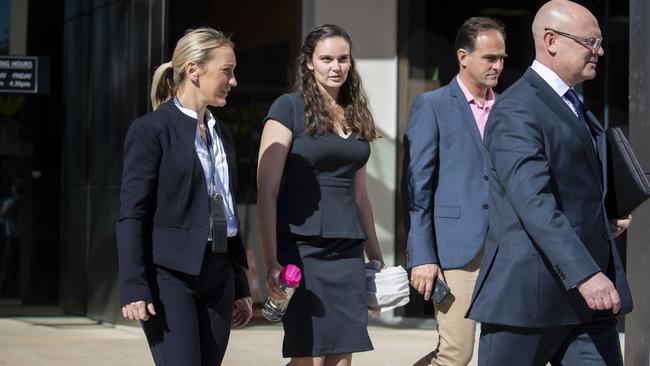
x,y
63,149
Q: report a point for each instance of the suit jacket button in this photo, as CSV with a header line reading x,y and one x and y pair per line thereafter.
x,y
485,206
485,177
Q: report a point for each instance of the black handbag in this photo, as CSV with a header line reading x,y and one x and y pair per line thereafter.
x,y
628,186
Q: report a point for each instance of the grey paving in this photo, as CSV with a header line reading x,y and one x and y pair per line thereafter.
x,y
72,341
77,341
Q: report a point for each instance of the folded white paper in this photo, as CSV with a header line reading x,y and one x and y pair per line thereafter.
x,y
386,289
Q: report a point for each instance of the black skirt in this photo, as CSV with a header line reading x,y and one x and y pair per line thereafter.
x,y
328,313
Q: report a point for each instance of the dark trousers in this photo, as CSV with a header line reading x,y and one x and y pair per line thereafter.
x,y
596,343
194,313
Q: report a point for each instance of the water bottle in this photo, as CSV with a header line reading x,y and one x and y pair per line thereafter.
x,y
289,277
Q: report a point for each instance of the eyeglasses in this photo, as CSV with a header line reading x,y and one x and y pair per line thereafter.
x,y
591,42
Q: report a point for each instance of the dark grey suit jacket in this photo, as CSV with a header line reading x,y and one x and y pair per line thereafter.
x,y
164,214
548,226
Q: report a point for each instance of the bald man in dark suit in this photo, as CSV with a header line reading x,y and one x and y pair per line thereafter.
x,y
551,281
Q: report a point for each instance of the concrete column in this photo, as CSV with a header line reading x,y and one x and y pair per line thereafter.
x,y
637,341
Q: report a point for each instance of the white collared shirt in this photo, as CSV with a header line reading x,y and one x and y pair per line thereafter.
x,y
554,81
222,180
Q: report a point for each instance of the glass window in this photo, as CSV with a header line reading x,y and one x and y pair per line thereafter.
x,y
5,11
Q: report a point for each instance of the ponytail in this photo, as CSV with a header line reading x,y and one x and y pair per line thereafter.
x,y
163,87
195,46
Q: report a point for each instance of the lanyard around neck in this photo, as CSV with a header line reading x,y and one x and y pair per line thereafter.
x,y
211,158
208,145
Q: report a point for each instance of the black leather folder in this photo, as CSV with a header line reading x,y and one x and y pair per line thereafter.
x,y
628,186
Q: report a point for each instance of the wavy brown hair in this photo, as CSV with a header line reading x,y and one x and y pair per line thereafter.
x,y
352,98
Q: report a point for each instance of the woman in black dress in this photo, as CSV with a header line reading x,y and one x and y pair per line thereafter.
x,y
313,208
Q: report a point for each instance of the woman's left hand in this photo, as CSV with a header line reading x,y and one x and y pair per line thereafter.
x,y
382,265
242,312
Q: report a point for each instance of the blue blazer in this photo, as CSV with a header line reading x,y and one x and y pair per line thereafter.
x,y
164,214
445,180
548,226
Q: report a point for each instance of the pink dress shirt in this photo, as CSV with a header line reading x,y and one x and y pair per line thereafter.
x,y
480,111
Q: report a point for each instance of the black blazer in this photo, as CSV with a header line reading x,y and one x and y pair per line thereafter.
x,y
164,214
548,229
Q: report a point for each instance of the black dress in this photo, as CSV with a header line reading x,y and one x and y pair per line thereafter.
x,y
319,230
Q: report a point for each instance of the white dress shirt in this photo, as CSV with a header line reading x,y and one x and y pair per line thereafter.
x,y
222,179
554,81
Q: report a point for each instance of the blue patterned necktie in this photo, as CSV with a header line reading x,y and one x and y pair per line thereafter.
x,y
579,107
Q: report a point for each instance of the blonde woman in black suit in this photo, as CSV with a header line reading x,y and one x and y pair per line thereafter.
x,y
180,255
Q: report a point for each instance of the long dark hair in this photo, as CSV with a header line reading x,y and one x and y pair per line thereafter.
x,y
351,97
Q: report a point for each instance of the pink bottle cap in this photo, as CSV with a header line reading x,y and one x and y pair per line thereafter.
x,y
290,275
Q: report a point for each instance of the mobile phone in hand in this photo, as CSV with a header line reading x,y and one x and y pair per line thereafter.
x,y
440,291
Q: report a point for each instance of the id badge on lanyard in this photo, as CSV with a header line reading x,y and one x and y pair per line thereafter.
x,y
218,223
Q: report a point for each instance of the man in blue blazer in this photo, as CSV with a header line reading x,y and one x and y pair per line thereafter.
x,y
551,280
446,186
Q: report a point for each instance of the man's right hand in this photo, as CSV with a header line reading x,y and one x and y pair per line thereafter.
x,y
137,310
422,278
599,293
